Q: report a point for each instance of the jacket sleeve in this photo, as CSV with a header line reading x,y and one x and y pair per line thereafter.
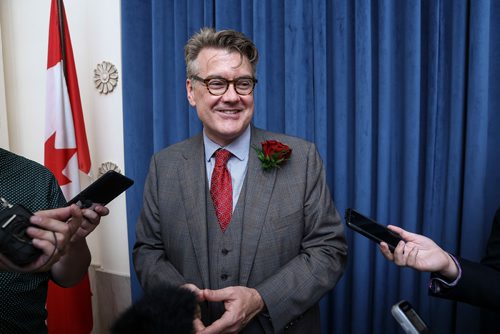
x,y
480,282
150,261
320,258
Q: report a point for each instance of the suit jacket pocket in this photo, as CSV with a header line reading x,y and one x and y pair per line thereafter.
x,y
294,219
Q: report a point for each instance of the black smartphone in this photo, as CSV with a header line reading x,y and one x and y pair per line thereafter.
x,y
371,229
103,190
408,318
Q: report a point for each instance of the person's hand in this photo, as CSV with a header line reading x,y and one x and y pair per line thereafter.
x,y
91,219
241,304
421,253
52,234
197,322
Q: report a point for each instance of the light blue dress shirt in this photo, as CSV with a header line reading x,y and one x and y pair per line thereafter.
x,y
237,164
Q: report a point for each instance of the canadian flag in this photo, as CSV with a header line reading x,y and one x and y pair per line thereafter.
x,y
66,154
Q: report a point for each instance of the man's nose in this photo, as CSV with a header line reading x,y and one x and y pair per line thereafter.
x,y
231,94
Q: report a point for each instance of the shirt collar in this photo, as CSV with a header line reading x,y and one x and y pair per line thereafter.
x,y
239,147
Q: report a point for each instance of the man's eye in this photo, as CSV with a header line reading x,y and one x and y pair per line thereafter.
x,y
217,84
244,83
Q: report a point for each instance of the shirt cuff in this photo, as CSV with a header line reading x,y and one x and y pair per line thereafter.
x,y
437,282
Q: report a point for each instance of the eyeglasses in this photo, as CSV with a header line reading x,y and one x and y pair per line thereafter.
x,y
219,86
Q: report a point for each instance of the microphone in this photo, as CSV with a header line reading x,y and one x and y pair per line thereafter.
x,y
408,318
162,309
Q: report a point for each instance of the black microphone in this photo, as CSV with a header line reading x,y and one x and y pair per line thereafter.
x,y
163,309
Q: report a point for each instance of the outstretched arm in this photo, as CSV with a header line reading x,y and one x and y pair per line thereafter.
x,y
421,253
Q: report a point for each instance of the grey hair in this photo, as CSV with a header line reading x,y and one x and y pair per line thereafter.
x,y
229,40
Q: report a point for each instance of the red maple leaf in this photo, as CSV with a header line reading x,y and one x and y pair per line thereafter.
x,y
56,159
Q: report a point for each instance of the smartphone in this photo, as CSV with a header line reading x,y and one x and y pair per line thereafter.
x,y
370,229
103,190
409,319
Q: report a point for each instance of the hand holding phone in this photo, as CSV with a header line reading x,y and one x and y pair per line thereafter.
x,y
370,229
102,191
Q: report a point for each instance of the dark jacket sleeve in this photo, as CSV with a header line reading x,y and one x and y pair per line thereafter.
x,y
480,282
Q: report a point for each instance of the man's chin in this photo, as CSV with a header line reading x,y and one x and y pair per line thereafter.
x,y
225,137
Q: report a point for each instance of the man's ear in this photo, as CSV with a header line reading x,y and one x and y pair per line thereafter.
x,y
190,92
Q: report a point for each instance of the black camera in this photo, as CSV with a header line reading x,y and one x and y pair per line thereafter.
x,y
15,244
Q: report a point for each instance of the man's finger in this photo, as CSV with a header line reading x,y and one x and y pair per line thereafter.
x,y
198,325
386,252
215,295
61,214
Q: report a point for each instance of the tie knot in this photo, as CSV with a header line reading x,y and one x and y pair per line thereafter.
x,y
221,157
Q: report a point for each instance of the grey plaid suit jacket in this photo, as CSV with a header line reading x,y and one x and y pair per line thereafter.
x,y
293,247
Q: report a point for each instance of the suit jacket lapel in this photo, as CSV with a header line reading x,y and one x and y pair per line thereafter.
x,y
194,195
259,186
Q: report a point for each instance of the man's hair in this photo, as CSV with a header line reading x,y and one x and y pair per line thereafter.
x,y
230,40
163,309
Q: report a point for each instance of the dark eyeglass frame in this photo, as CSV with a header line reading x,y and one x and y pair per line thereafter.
x,y
228,82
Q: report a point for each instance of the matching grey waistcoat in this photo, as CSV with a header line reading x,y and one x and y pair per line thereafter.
x,y
224,250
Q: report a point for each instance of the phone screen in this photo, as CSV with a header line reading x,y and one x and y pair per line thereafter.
x,y
370,229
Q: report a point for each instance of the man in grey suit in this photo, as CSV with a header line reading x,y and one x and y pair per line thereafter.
x,y
284,246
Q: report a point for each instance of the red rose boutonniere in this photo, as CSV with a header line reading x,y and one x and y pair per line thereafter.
x,y
273,154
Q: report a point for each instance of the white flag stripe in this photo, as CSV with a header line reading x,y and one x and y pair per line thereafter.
x,y
71,171
59,118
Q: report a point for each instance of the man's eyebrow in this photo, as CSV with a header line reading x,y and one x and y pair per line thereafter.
x,y
221,77
215,77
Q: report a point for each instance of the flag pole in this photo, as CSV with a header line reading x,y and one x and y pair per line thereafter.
x,y
60,14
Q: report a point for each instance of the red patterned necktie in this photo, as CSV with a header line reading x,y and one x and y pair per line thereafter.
x,y
221,189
